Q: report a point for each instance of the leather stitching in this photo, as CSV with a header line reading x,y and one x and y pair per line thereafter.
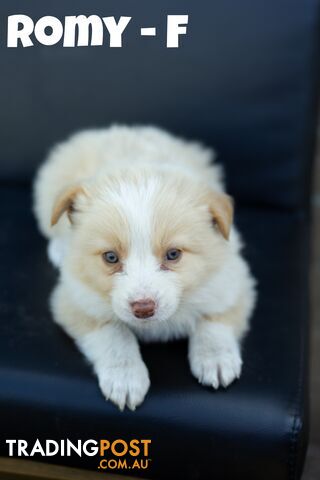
x,y
297,423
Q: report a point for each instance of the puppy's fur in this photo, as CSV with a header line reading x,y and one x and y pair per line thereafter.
x,y
140,192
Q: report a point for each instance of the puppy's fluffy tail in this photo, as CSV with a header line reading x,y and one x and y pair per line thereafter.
x,y
68,163
50,179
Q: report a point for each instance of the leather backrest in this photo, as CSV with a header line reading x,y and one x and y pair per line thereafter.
x,y
242,80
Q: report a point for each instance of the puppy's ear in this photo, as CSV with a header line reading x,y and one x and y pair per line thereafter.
x,y
65,203
221,209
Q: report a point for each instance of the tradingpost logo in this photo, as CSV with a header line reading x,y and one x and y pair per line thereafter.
x,y
115,454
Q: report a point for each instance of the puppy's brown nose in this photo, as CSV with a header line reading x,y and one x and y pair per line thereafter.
x,y
143,308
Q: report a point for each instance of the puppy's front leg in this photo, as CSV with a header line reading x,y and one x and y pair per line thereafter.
x,y
214,347
111,348
114,353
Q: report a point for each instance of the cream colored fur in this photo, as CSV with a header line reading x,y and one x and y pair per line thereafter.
x,y
139,191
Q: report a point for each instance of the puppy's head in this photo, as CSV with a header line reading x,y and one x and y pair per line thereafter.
x,y
143,242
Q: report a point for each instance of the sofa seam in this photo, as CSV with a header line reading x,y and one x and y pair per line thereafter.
x,y
295,428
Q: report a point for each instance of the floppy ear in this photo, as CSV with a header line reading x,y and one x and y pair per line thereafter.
x,y
221,209
65,203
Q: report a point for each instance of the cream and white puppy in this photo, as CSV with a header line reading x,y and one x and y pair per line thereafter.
x,y
141,230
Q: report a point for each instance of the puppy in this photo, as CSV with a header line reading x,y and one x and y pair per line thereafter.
x,y
141,231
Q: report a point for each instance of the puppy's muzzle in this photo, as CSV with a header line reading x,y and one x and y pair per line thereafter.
x,y
143,308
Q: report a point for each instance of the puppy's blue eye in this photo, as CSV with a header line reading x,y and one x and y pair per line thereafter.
x,y
110,257
173,254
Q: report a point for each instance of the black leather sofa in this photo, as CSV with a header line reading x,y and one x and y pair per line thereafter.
x,y
243,80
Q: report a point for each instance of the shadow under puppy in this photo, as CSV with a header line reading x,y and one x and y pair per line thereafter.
x,y
141,230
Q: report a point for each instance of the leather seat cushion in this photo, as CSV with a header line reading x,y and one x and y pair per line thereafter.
x,y
250,430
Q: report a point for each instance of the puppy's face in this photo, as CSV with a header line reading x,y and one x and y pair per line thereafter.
x,y
143,242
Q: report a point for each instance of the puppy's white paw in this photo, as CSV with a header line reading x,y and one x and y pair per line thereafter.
x,y
125,385
216,369
215,358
